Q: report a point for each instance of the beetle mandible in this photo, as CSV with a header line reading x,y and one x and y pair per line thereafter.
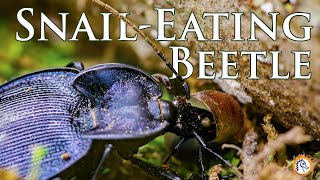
x,y
73,113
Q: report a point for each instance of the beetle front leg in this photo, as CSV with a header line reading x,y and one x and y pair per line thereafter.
x,y
156,171
173,151
203,169
104,156
205,147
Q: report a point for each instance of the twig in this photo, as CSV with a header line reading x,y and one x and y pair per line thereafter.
x,y
295,136
232,146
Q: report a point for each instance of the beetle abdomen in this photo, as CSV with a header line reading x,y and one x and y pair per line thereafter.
x,y
37,110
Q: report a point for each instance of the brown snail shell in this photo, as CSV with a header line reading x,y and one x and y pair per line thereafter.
x,y
227,112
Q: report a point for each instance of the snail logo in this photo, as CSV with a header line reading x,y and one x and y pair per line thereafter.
x,y
302,165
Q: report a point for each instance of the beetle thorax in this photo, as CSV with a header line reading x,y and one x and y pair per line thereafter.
x,y
192,119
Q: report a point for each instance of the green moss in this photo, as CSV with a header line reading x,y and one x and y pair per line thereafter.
x,y
38,152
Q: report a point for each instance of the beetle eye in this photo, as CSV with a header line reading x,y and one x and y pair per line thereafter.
x,y
206,122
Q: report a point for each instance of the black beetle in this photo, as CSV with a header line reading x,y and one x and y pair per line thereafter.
x,y
64,110
73,113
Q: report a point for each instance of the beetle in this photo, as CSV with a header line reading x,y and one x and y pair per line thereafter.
x,y
77,114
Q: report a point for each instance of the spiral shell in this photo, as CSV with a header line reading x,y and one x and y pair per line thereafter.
x,y
227,112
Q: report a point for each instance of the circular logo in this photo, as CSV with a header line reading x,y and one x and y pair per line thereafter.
x,y
302,165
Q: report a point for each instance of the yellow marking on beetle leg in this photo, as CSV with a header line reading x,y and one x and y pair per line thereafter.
x,y
93,115
160,107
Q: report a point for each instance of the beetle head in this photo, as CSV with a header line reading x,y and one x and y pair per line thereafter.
x,y
193,118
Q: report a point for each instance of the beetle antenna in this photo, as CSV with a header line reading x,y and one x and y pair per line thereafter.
x,y
161,55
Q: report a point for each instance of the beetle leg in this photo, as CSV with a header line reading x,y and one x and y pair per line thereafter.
x,y
164,80
203,169
204,146
156,171
76,65
173,151
105,154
